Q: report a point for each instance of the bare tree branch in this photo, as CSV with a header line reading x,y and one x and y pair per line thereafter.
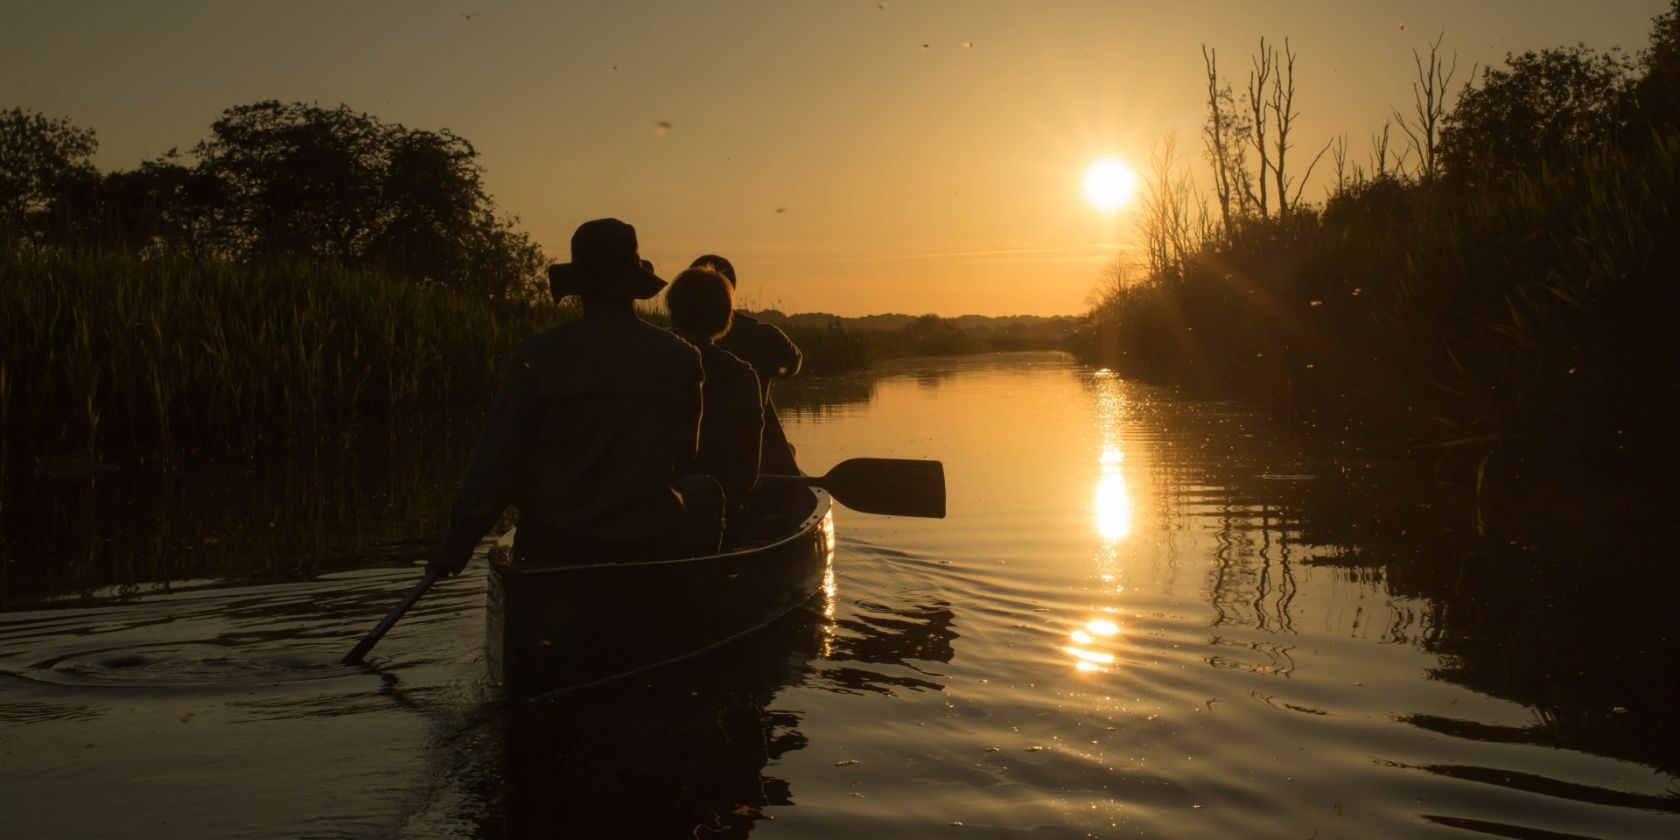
x,y
1296,201
1263,64
1221,137
1429,105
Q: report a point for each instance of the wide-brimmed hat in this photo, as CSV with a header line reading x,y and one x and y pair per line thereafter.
x,y
604,262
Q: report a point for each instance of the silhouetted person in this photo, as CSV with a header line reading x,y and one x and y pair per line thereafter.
x,y
595,420
772,355
702,303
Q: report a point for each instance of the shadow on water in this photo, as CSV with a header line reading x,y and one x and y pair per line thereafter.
x,y
1580,632
1348,594
364,497
904,638
833,396
689,749
683,750
1587,641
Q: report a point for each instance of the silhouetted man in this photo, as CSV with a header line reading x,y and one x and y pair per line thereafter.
x,y
702,303
594,421
772,355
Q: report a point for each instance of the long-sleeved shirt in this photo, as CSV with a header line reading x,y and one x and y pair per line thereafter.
x,y
770,352
773,356
593,420
731,423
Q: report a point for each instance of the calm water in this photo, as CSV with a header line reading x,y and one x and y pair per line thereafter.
x,y
1144,617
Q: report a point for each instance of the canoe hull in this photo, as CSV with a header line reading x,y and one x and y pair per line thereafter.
x,y
555,627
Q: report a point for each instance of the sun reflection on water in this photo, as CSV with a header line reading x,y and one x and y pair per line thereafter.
x,y
1113,503
830,591
1089,640
1093,642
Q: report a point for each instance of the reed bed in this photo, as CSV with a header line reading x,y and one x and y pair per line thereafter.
x,y
1522,323
835,350
104,352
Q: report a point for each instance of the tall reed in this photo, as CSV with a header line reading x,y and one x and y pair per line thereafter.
x,y
105,351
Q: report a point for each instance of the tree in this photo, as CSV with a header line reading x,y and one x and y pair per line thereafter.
x,y
1223,139
303,180
48,185
1172,222
164,205
1228,136
1283,111
1657,93
1539,106
932,335
1429,104
298,179
1380,155
433,206
1265,63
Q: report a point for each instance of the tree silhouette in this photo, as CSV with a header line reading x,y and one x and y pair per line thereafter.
x,y
1541,105
1657,93
274,180
48,184
1429,106
333,183
163,206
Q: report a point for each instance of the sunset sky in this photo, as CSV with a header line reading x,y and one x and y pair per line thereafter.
x,y
849,157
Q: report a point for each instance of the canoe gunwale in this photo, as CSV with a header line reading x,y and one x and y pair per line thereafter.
x,y
819,509
812,530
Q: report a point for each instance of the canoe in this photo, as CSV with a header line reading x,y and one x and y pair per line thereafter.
x,y
554,627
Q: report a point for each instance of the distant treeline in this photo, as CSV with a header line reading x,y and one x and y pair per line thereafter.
x,y
272,181
301,267
833,344
1497,285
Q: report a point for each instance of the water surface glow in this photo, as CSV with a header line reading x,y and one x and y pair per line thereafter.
x,y
1113,503
1113,506
1243,657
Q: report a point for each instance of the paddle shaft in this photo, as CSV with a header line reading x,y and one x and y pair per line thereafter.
x,y
354,657
891,486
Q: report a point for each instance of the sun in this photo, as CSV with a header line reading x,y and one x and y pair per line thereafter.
x,y
1109,184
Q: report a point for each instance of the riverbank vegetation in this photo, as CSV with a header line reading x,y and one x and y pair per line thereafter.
x,y
303,267
107,352
1492,289
834,345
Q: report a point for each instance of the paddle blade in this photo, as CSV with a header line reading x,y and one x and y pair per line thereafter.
x,y
893,486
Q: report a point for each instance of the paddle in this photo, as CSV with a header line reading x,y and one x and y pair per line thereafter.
x,y
354,657
893,486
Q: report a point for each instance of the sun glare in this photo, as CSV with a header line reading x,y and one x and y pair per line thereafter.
x,y
1109,184
1113,504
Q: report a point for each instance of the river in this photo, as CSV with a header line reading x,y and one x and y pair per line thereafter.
x,y
1144,616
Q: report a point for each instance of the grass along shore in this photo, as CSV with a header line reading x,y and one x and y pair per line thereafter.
x,y
102,352
106,354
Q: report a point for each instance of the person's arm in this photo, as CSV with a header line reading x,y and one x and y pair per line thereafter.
x,y
502,448
746,431
785,352
687,427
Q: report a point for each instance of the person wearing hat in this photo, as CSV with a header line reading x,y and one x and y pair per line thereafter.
x,y
772,355
593,429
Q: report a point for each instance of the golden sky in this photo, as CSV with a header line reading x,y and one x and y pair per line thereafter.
x,y
849,157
